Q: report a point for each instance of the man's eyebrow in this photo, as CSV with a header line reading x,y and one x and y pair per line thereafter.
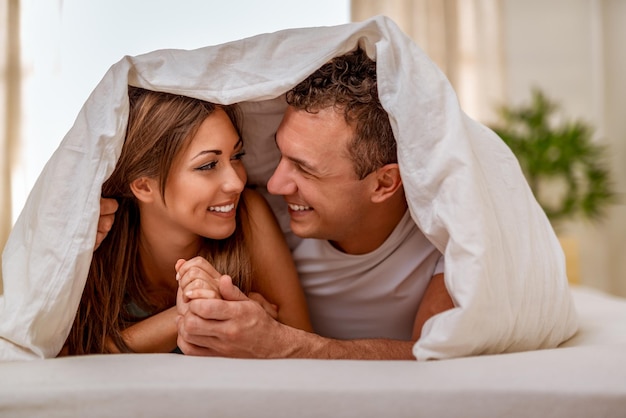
x,y
303,164
297,161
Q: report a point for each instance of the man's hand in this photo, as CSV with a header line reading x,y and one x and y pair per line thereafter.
x,y
105,222
270,308
236,326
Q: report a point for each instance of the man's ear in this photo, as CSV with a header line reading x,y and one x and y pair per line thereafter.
x,y
387,181
145,189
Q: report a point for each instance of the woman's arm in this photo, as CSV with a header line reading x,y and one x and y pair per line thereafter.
x,y
274,272
158,333
155,334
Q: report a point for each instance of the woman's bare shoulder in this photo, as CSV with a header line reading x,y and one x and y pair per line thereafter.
x,y
259,213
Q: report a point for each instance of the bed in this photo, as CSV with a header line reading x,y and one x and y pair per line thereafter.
x,y
584,377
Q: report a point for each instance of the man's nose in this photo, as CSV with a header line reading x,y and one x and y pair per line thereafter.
x,y
281,183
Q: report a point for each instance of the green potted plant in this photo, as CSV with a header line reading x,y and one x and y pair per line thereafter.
x,y
565,168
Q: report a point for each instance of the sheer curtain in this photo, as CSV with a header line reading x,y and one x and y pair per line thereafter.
x,y
9,109
464,38
22,25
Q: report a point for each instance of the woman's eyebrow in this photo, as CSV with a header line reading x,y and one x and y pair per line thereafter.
x,y
207,151
216,151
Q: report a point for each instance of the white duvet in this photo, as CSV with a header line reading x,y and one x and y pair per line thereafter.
x,y
504,267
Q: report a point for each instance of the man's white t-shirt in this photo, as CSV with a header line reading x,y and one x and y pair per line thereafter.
x,y
374,295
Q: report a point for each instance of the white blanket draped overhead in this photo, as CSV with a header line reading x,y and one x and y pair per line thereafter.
x,y
504,266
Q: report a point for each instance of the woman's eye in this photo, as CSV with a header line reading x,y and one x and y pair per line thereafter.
x,y
239,155
208,166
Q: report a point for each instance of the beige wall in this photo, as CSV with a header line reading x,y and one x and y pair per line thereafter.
x,y
574,51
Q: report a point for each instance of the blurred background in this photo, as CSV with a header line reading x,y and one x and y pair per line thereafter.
x,y
498,54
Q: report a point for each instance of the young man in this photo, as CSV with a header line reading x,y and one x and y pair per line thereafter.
x,y
364,265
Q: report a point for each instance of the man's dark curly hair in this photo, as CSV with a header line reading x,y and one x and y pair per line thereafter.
x,y
348,83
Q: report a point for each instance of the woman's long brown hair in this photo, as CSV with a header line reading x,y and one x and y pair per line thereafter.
x,y
160,125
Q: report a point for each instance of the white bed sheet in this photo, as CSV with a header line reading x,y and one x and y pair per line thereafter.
x,y
504,269
586,377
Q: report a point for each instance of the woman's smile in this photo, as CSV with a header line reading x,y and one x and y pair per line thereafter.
x,y
225,211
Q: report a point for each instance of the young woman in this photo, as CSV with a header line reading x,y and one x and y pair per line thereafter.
x,y
179,183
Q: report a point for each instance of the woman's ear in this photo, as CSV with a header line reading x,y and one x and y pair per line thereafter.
x,y
145,189
387,182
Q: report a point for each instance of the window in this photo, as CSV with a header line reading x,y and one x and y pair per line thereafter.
x,y
68,45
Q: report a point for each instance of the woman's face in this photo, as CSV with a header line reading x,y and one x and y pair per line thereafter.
x,y
205,181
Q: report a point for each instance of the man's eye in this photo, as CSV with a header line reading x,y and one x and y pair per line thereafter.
x,y
208,166
304,171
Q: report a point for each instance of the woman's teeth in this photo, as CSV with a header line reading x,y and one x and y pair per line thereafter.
x,y
298,207
226,208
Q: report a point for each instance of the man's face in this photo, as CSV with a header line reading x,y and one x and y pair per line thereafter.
x,y
316,177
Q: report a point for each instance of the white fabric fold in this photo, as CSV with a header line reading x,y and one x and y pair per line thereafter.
x,y
504,266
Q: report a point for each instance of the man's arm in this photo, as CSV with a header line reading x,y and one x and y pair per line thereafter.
x,y
239,327
436,299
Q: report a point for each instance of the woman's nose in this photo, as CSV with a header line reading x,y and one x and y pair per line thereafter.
x,y
235,179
